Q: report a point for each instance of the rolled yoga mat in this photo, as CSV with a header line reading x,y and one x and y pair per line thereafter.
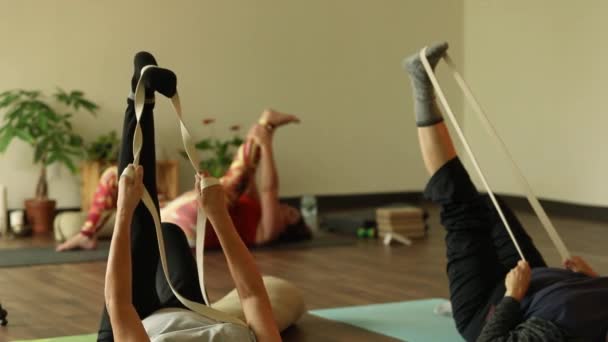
x,y
413,321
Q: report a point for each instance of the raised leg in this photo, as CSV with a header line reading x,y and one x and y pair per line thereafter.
x,y
182,268
437,149
144,244
473,268
240,175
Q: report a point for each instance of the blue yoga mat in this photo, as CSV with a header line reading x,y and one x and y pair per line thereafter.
x,y
412,321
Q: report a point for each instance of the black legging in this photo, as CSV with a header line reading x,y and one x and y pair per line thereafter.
x,y
151,291
479,250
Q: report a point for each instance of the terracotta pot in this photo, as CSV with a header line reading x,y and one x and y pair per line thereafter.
x,y
40,214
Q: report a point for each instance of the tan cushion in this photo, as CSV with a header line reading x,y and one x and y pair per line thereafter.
x,y
69,223
286,300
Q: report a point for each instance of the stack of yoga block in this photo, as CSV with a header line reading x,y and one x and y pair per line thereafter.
x,y
408,221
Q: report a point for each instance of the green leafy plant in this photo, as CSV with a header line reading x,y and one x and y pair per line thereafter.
x,y
217,153
30,118
104,149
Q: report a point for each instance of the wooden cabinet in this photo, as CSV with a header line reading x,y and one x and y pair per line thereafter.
x,y
167,181
89,177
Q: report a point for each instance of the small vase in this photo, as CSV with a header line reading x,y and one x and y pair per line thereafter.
x,y
40,214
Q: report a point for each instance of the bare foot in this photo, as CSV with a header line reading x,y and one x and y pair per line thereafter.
x,y
78,241
277,119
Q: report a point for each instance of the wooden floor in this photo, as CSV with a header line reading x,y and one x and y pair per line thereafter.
x,y
59,300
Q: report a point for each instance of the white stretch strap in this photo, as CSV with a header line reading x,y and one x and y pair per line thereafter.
x,y
202,309
448,109
536,206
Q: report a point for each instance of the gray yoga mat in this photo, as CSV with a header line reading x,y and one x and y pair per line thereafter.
x,y
31,256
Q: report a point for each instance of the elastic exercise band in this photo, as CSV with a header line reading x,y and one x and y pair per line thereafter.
x,y
536,206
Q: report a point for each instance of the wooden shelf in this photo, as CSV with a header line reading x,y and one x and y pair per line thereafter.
x,y
167,181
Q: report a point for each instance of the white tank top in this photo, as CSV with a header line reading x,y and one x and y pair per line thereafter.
x,y
183,325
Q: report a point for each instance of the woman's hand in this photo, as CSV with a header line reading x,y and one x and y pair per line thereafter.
x,y
130,190
579,265
212,199
518,281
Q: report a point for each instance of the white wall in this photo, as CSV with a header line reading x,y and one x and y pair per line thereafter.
x,y
539,69
335,63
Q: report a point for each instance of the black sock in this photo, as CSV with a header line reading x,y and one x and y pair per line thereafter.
x,y
161,80
141,60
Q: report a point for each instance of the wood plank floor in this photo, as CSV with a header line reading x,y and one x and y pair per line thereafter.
x,y
57,300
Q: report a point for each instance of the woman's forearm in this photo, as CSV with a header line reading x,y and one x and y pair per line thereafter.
x,y
118,274
242,267
593,274
103,200
126,324
247,279
505,318
241,264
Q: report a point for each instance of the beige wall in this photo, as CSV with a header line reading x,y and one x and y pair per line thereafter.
x,y
539,69
335,63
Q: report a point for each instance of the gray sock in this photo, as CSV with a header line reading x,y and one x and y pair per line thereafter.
x,y
425,106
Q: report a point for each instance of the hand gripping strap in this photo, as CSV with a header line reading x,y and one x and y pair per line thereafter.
x,y
538,209
202,309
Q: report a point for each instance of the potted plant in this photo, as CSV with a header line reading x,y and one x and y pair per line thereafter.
x,y
104,149
217,153
30,117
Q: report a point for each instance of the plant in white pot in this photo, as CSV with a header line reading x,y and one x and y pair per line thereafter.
x,y
28,116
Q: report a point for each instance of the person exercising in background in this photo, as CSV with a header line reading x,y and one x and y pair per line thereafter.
x,y
103,208
259,216
495,296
